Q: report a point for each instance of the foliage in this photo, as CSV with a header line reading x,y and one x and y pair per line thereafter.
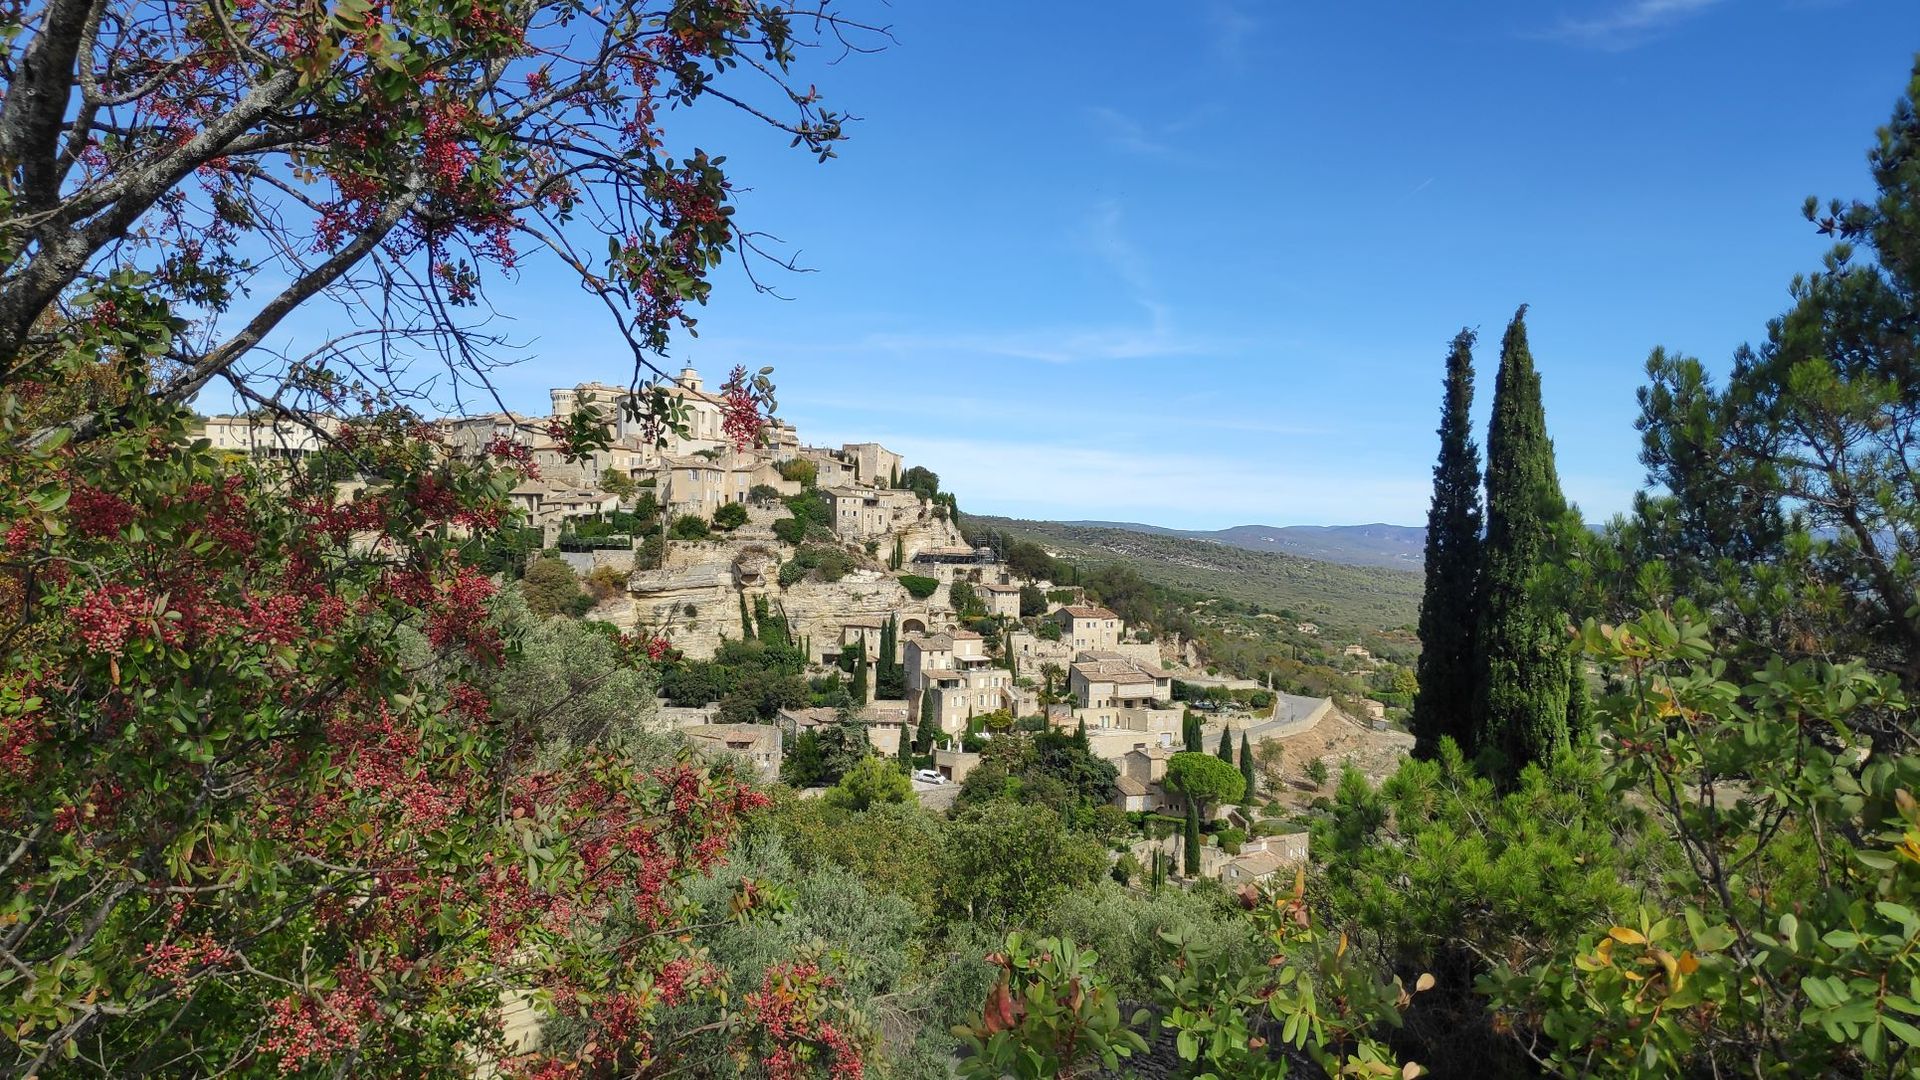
x,y
1048,1016
965,600
1522,669
928,735
871,781
922,481
918,586
800,471
811,518
1788,940
730,516
690,527
1003,864
763,495
1226,1015
821,756
1033,602
1204,778
552,588
1450,605
824,561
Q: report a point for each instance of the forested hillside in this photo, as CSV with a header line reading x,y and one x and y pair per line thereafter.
x,y
1344,600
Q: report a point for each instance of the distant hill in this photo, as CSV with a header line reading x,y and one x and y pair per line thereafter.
x,y
1349,597
1401,547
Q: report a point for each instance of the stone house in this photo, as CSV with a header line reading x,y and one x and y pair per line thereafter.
x,y
1100,679
873,465
869,513
1000,599
1261,857
259,437
1132,796
760,745
954,764
961,680
1089,627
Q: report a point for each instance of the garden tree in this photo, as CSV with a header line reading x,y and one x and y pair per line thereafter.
x,y
1190,846
1270,758
965,599
905,749
1204,779
1794,904
1033,602
1050,674
899,558
1190,731
922,481
872,780
893,481
1246,770
1450,604
240,832
618,483
1789,510
858,690
747,632
820,756
552,588
690,527
1523,668
928,736
730,516
1080,734
1004,864
1225,750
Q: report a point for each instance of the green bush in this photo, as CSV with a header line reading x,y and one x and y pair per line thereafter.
x,y
830,563
919,587
1230,840
801,471
730,516
763,495
690,527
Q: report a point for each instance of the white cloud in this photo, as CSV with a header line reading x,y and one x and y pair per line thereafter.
x,y
1126,133
1629,25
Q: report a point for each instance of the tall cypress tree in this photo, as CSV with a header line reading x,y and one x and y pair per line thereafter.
x,y
859,690
1190,853
1449,610
1246,767
1524,666
1225,750
747,632
929,736
1190,732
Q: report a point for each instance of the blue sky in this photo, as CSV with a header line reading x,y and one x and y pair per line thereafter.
x,y
1197,264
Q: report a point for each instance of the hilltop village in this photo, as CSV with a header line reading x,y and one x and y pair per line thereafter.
x,y
849,563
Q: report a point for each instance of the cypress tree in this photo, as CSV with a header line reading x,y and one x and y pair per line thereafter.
x,y
1080,734
929,723
1524,661
1225,750
1449,609
746,620
906,750
1246,767
859,690
1190,854
1191,733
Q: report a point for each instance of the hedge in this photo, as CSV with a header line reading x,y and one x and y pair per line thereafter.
x,y
919,587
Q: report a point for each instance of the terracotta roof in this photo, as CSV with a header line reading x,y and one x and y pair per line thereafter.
x,y
1258,864
964,635
1130,787
1116,671
999,588
1082,611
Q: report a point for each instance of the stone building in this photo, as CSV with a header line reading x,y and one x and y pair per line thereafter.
x,y
958,676
1089,627
1000,599
760,745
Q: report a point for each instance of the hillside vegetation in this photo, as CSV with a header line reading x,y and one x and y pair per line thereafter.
x,y
1399,547
1343,599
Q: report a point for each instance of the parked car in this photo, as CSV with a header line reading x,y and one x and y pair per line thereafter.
x,y
929,776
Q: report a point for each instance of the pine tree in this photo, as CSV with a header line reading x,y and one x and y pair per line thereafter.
x,y
1246,767
1190,854
1225,750
929,736
1449,609
859,689
1524,664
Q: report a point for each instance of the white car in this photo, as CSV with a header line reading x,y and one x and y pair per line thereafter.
x,y
929,776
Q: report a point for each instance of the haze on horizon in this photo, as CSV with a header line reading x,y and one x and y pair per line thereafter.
x,y
1202,272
